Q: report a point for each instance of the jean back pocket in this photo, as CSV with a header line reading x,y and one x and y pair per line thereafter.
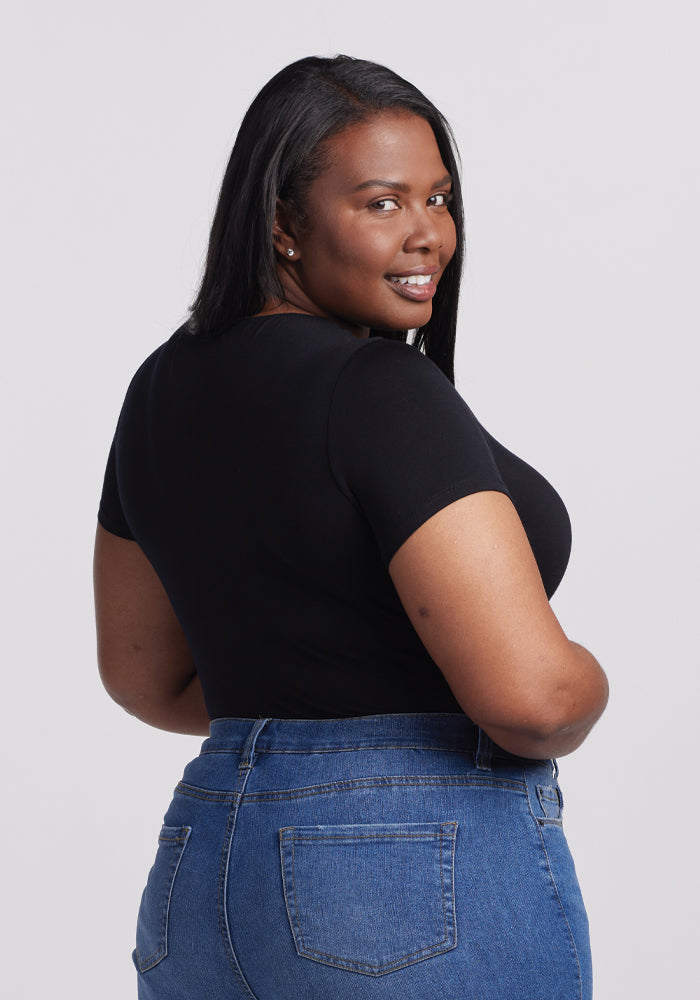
x,y
371,898
152,924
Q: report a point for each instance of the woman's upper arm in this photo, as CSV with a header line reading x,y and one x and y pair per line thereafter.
x,y
142,652
469,582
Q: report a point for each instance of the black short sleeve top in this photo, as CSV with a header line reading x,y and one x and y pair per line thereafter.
x,y
269,475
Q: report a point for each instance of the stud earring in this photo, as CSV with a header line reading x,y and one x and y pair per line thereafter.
x,y
290,252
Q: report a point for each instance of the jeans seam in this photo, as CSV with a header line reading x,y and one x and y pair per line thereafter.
x,y
205,794
507,785
223,921
350,784
359,748
244,773
160,952
442,887
147,962
366,836
539,823
563,912
453,896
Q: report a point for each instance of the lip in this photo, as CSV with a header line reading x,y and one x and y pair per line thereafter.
x,y
416,293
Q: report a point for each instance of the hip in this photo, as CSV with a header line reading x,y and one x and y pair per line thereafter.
x,y
378,856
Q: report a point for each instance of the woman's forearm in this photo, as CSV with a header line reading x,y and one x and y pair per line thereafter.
x,y
185,713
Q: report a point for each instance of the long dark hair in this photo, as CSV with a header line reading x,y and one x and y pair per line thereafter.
x,y
278,153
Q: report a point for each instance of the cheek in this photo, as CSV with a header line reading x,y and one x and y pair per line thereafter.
x,y
332,248
357,255
370,255
449,239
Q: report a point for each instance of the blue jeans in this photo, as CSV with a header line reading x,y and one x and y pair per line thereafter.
x,y
402,857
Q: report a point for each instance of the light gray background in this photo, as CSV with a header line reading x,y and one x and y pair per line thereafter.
x,y
577,124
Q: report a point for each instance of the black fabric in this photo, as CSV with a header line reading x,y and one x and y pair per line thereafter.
x,y
270,475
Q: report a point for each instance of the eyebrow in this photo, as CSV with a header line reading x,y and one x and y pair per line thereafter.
x,y
397,186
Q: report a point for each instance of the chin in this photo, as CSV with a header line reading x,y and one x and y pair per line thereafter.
x,y
414,319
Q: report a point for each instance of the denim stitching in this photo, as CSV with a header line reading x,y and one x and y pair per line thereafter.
x,y
453,839
294,890
538,827
563,913
555,800
223,925
426,952
244,770
159,953
283,865
310,839
359,748
442,889
451,836
505,784
205,794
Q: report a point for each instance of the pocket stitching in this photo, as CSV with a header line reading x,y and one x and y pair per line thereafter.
x,y
555,887
363,967
159,953
555,798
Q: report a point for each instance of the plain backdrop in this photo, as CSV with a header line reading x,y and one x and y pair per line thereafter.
x,y
577,125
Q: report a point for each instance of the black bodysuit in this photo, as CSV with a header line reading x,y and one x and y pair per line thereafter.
x,y
270,475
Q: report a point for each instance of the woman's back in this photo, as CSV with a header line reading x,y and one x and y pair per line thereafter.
x,y
270,474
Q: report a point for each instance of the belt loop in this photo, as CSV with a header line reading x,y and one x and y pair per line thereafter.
x,y
483,752
248,752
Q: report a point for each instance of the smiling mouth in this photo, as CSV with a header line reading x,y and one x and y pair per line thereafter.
x,y
411,279
416,287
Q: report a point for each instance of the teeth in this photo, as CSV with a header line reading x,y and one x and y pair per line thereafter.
x,y
413,279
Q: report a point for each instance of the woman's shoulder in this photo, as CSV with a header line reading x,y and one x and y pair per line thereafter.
x,y
299,344
383,372
291,346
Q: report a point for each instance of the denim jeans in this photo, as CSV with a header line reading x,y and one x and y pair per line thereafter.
x,y
402,857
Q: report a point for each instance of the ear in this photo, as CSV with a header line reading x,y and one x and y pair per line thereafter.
x,y
283,232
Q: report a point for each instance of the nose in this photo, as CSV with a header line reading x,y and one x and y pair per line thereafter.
x,y
427,231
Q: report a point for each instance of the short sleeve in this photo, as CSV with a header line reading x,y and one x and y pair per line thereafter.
x,y
110,514
402,443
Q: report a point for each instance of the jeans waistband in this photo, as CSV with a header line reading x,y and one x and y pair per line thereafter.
x,y
445,731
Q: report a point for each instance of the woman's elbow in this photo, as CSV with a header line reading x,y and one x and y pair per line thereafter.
x,y
554,732
120,690
548,716
123,697
140,682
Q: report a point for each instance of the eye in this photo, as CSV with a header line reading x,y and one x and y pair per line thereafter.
x,y
385,205
441,200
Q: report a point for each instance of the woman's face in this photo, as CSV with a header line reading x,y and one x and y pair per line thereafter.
x,y
374,218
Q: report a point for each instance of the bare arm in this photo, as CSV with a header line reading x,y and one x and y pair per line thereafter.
x,y
144,660
470,585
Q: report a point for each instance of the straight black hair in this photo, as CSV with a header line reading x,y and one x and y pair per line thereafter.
x,y
278,153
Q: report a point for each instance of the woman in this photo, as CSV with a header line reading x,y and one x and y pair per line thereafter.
x,y
307,537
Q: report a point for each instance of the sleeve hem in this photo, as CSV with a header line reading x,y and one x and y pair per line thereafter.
x,y
113,526
437,502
